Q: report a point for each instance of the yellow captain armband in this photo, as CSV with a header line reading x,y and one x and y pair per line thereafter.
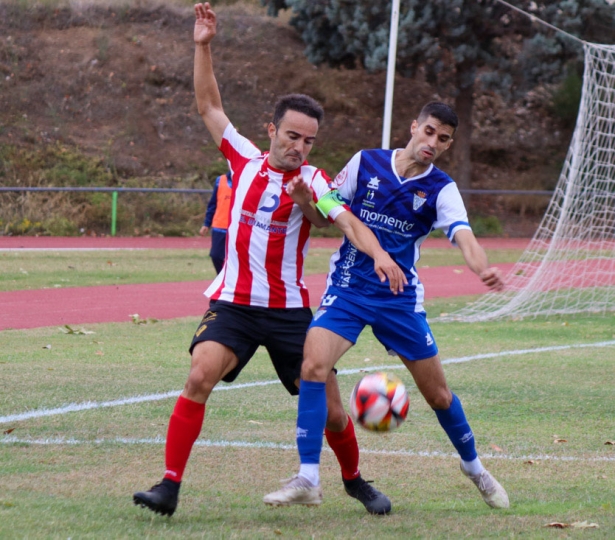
x,y
329,201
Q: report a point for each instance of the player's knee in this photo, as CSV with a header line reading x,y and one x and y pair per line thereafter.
x,y
202,378
440,399
312,370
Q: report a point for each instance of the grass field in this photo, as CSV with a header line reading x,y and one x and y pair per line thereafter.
x,y
83,419
54,269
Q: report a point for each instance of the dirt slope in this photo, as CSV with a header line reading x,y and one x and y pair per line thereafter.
x,y
118,84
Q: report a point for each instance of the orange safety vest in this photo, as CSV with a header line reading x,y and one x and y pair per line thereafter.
x,y
223,204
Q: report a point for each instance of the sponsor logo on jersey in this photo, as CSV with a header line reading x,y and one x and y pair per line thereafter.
x,y
346,266
269,202
420,197
301,433
428,339
274,227
373,183
375,218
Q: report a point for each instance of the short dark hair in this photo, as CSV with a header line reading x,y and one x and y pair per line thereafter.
x,y
441,111
300,103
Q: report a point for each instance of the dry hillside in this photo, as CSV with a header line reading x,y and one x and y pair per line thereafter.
x,y
117,84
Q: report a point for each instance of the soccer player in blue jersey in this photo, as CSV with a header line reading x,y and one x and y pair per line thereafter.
x,y
401,196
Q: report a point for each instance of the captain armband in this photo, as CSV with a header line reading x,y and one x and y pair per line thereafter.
x,y
329,201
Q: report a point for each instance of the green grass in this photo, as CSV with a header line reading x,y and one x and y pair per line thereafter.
x,y
518,406
55,269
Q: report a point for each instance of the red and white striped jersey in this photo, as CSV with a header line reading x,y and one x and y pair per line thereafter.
x,y
268,235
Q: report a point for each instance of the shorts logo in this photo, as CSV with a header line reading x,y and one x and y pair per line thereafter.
x,y
428,339
420,198
301,433
328,300
208,317
319,314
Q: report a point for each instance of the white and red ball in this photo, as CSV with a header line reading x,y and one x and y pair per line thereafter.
x,y
379,402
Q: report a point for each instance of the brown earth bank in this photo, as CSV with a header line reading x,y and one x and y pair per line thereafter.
x,y
116,84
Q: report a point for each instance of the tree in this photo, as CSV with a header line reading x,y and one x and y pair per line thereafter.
x,y
457,43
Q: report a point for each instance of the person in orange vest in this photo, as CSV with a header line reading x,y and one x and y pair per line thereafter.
x,y
216,219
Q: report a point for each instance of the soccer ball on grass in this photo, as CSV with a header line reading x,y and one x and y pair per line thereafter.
x,y
379,402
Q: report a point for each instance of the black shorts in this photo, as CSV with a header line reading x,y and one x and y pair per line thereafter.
x,y
244,328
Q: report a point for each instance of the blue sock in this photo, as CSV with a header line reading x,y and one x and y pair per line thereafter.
x,y
453,421
311,420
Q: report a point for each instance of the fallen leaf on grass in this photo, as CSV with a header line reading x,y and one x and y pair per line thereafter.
x,y
584,525
531,462
10,430
47,347
557,525
496,447
574,525
558,441
610,443
255,422
99,353
138,320
68,330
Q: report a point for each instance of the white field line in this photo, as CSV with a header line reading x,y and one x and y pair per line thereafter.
x,y
8,439
90,405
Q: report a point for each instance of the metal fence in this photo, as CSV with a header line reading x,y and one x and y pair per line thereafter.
x,y
116,190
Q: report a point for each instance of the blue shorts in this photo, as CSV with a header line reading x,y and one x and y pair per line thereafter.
x,y
396,325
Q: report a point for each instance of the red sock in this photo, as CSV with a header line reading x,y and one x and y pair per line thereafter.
x,y
346,449
184,428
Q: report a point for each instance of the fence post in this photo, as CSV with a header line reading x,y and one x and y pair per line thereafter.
x,y
113,212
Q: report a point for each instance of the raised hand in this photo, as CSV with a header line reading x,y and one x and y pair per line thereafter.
x,y
299,191
205,24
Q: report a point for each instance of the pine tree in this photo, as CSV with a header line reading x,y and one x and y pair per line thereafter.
x,y
458,43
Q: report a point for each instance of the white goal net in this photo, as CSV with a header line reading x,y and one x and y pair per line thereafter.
x,y
569,265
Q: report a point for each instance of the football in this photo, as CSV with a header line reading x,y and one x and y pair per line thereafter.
x,y
379,402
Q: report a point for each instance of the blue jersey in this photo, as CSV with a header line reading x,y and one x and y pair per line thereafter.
x,y
401,212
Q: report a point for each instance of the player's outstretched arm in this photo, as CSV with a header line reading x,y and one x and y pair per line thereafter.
x,y
208,98
476,259
303,197
365,240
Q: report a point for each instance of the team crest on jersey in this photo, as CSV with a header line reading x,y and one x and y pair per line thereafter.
x,y
420,197
373,183
340,178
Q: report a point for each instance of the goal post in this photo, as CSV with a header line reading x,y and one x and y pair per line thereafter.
x,y
569,265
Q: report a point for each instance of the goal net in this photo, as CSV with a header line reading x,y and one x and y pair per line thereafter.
x,y
569,265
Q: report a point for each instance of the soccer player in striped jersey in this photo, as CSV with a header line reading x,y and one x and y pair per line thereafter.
x,y
259,298
401,196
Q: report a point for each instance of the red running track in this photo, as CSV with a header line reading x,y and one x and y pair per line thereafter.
x,y
116,303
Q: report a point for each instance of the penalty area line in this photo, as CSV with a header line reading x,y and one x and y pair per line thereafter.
x,y
90,405
263,445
